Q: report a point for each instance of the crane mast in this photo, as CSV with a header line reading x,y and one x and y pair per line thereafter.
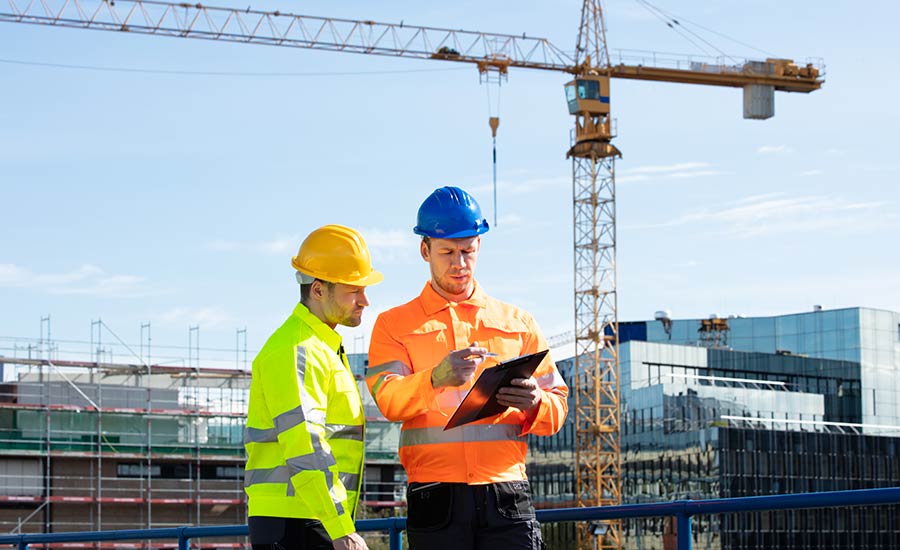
x,y
596,334
596,385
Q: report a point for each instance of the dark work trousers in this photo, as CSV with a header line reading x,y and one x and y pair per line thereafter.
x,y
267,533
456,516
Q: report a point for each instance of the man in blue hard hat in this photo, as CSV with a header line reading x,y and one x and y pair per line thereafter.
x,y
467,485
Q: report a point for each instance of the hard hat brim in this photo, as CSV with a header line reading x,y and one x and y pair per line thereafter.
x,y
457,235
373,278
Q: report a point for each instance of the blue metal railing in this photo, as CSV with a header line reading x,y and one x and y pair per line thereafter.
x,y
682,510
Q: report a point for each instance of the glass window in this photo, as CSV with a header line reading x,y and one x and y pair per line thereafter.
x,y
763,327
136,470
588,89
786,325
830,320
850,319
789,341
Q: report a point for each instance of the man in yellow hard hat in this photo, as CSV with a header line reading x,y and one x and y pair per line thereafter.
x,y
305,423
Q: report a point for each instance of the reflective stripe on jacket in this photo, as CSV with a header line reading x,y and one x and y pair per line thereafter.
x,y
408,341
305,427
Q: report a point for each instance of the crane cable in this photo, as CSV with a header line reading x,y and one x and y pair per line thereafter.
x,y
673,24
494,123
672,21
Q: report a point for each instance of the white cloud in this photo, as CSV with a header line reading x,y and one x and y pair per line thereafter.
x,y
667,168
695,174
87,279
681,170
523,186
391,245
11,275
388,238
632,179
815,172
769,149
508,219
779,213
206,317
280,244
384,244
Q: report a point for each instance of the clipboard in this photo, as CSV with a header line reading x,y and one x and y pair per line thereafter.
x,y
481,401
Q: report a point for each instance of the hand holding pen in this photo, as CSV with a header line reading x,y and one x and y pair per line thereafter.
x,y
459,366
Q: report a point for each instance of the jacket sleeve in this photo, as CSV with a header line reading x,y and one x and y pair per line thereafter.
x,y
553,406
400,393
296,385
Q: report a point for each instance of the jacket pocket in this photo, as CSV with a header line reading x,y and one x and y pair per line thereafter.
x,y
430,506
427,344
505,337
514,499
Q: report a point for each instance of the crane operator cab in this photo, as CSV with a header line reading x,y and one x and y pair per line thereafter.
x,y
588,99
588,94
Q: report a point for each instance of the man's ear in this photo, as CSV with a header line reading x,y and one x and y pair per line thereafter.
x,y
317,290
424,251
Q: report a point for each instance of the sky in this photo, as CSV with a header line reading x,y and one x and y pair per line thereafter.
x,y
137,188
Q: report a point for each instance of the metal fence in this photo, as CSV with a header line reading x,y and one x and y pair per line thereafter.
x,y
682,510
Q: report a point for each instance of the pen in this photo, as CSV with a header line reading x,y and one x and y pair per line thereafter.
x,y
485,354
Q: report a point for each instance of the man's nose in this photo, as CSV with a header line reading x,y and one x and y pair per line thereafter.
x,y
362,299
458,259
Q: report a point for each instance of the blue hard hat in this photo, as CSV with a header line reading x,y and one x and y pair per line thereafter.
x,y
450,213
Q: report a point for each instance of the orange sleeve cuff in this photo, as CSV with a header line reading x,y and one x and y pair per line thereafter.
x,y
550,415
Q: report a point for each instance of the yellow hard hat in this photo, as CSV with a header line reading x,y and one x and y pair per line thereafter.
x,y
336,254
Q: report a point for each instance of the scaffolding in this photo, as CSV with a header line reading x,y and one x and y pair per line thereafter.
x,y
94,445
101,444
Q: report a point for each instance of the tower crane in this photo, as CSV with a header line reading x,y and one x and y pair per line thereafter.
x,y
596,380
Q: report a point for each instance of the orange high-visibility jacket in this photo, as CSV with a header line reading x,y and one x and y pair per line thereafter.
x,y
408,341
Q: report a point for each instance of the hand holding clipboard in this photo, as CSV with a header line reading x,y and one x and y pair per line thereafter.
x,y
481,401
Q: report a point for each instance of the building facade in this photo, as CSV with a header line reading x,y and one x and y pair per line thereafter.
x,y
745,407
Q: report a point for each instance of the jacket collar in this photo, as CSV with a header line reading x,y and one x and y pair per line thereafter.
x,y
432,302
325,333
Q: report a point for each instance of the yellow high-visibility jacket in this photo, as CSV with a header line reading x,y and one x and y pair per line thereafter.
x,y
305,428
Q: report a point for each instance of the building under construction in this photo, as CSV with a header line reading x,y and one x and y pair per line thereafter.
x,y
90,446
104,445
